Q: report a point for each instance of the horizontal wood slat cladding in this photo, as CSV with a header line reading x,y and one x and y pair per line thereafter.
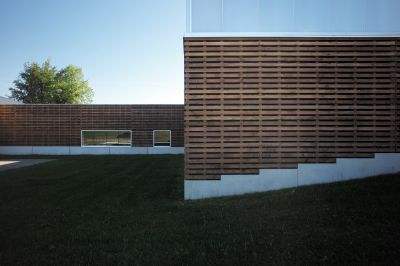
x,y
61,125
253,103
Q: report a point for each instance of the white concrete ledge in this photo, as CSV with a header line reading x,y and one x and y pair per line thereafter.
x,y
76,150
305,174
294,34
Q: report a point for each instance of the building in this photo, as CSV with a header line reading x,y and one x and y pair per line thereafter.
x,y
286,93
67,129
278,94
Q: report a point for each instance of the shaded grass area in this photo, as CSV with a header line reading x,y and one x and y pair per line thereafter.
x,y
128,210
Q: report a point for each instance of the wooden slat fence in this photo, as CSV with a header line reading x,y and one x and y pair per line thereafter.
x,y
254,103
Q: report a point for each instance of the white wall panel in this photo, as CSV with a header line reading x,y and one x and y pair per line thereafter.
x,y
280,16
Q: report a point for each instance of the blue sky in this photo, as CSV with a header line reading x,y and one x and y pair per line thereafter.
x,y
131,51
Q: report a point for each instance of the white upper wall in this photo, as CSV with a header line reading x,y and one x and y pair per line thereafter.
x,y
286,17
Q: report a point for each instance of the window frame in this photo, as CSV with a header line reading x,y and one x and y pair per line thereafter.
x,y
170,139
106,146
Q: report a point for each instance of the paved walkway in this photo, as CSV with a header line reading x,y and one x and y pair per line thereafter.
x,y
18,163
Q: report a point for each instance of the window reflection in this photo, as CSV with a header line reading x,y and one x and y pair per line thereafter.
x,y
106,138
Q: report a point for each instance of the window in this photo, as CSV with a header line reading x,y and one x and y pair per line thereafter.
x,y
108,138
162,138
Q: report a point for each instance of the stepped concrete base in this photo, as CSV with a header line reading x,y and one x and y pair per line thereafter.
x,y
305,174
76,150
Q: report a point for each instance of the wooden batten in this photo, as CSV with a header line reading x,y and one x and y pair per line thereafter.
x,y
61,125
254,103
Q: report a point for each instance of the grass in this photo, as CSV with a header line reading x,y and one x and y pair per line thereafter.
x,y
128,210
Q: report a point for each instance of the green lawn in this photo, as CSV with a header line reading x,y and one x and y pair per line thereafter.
x,y
128,210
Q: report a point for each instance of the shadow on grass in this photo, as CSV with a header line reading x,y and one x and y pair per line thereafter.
x,y
126,210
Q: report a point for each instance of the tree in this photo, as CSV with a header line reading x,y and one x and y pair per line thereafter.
x,y
46,84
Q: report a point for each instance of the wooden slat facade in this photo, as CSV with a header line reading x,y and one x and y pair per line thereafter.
x,y
256,103
61,125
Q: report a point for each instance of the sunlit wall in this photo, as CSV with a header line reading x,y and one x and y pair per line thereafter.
x,y
364,17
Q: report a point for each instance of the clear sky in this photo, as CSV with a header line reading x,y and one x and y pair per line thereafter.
x,y
130,51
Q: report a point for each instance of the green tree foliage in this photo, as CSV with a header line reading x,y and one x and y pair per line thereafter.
x,y
46,84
